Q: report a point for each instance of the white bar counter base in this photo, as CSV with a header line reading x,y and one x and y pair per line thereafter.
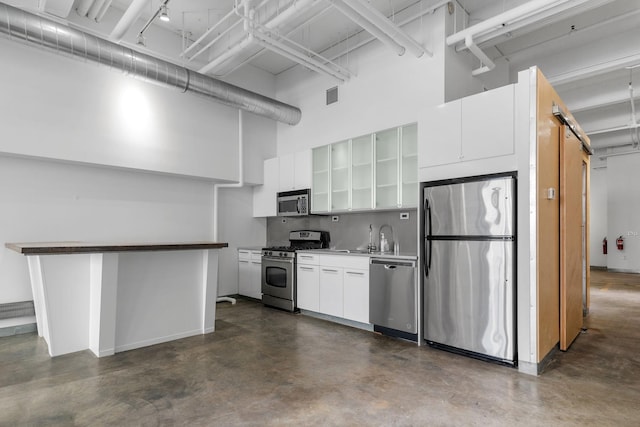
x,y
110,298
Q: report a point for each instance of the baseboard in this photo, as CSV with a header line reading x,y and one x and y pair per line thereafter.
x,y
598,267
157,340
17,326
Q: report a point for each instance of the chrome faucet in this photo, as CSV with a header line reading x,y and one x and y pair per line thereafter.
x,y
371,247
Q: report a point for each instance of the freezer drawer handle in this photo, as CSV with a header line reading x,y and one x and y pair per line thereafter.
x,y
390,267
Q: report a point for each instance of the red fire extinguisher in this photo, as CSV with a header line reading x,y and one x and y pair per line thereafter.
x,y
604,246
620,243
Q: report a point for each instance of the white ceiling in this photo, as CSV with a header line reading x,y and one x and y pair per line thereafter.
x,y
583,50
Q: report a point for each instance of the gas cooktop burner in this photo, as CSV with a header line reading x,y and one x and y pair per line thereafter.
x,y
279,248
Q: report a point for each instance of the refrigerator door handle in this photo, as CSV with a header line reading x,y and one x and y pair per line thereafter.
x,y
427,241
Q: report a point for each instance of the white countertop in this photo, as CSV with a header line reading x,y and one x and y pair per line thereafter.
x,y
390,255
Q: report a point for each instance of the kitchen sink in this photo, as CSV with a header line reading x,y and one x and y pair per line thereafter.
x,y
353,251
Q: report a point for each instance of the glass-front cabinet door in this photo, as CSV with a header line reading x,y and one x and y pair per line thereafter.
x,y
340,176
409,166
362,173
320,180
386,152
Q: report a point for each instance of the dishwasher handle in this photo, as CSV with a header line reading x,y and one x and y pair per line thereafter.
x,y
393,263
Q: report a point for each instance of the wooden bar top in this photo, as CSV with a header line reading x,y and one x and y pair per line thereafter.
x,y
62,248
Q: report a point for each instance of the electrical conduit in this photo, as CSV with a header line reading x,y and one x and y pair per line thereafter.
x,y
238,184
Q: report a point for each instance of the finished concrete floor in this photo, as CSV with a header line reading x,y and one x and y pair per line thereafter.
x,y
267,367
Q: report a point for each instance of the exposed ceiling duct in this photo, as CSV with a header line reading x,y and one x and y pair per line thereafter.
x,y
25,26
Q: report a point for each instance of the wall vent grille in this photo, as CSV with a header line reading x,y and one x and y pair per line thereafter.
x,y
332,95
16,309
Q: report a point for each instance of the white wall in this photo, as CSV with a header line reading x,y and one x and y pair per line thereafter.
x,y
88,153
388,91
598,217
623,193
70,110
237,227
54,201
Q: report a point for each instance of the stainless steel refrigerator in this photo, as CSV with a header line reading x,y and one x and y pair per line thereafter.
x,y
469,266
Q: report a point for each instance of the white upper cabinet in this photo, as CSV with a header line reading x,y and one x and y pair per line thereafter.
x,y
340,176
362,173
302,170
320,180
487,124
375,171
441,135
476,127
287,173
295,171
264,196
409,165
386,152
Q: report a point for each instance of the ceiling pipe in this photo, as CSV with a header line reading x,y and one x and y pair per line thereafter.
x,y
228,54
284,50
21,25
267,41
95,9
378,19
84,6
369,27
487,63
594,70
263,49
103,10
532,19
350,49
295,8
129,18
499,21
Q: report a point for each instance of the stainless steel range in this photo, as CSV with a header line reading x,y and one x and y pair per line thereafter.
x,y
279,267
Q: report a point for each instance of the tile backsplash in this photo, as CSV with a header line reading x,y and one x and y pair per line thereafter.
x,y
351,231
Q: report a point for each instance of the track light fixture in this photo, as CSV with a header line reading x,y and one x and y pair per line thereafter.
x,y
163,13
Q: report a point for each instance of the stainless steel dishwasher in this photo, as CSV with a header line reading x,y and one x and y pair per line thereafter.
x,y
393,303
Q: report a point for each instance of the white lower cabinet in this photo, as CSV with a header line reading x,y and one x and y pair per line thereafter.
x,y
331,291
356,295
337,285
308,287
250,273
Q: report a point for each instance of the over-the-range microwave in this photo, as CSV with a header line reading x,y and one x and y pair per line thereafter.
x,y
294,203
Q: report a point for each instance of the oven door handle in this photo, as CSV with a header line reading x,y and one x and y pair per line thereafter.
x,y
278,259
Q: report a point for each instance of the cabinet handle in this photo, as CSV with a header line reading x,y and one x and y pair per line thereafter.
x,y
326,270
240,260
306,268
256,262
305,256
355,273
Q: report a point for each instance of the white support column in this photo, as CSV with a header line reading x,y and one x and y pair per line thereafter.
x,y
37,289
102,303
209,289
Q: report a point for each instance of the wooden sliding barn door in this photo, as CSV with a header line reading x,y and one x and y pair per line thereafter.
x,y
573,226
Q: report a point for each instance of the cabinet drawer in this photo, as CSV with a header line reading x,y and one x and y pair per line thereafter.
x,y
256,256
346,261
309,259
244,254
